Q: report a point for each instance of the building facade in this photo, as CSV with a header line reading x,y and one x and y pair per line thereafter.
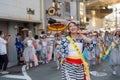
x,y
66,9
15,15
22,15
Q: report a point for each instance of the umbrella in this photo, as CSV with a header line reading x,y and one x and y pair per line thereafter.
x,y
39,29
25,29
57,27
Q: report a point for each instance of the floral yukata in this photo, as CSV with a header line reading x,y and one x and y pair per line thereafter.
x,y
72,68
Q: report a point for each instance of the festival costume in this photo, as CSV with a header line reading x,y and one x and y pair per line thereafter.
x,y
29,49
73,67
50,40
44,50
58,42
107,41
19,47
115,53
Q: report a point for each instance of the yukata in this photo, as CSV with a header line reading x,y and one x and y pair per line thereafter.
x,y
19,47
50,40
38,48
29,50
95,52
115,54
107,41
58,42
88,54
44,51
71,69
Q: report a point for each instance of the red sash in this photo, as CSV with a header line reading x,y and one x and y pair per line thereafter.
x,y
74,61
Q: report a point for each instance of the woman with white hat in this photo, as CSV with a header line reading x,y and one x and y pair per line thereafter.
x,y
74,66
29,50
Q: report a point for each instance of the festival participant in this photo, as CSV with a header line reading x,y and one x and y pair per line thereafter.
x,y
19,47
115,52
51,40
44,49
88,50
57,45
37,47
96,41
29,50
74,66
107,40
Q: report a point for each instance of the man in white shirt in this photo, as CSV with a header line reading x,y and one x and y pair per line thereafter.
x,y
3,53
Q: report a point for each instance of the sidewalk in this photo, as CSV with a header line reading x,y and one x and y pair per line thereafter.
x,y
15,69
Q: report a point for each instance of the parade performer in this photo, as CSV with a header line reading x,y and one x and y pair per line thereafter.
x,y
37,48
57,45
50,39
107,39
88,53
74,66
115,52
29,50
44,49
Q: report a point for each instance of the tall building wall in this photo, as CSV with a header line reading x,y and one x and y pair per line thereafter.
x,y
17,9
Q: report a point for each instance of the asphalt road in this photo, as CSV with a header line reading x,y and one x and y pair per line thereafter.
x,y
49,72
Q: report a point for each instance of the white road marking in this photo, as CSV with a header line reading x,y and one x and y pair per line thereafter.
x,y
14,76
25,75
98,74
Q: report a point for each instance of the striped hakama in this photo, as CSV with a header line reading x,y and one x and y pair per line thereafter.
x,y
72,72
72,68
